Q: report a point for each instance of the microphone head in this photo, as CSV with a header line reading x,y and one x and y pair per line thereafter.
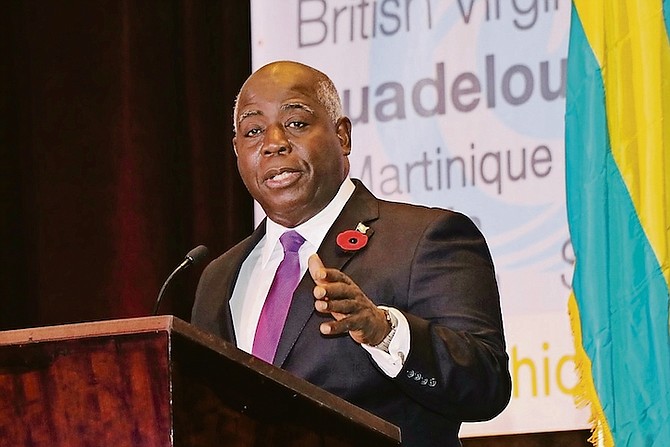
x,y
197,254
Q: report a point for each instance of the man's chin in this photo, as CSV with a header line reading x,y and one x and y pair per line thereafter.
x,y
289,213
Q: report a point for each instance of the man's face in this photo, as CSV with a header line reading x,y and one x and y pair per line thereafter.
x,y
291,156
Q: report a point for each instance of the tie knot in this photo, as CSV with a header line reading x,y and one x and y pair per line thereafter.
x,y
291,241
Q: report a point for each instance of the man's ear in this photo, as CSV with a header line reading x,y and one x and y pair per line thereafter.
x,y
343,130
235,144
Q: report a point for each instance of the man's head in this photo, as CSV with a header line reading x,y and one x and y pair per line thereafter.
x,y
291,140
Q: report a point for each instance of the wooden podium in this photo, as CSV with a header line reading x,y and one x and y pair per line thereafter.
x,y
158,381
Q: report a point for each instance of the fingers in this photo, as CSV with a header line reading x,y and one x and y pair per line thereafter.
x,y
337,291
321,275
331,284
342,305
363,327
338,326
316,269
352,310
343,323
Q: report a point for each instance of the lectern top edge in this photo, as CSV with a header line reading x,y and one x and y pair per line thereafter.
x,y
87,329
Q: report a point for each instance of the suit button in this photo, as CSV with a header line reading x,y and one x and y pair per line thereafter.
x,y
410,373
432,382
418,377
424,381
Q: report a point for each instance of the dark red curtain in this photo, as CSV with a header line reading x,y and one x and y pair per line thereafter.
x,y
115,131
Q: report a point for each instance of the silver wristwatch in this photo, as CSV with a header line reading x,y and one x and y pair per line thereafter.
x,y
393,324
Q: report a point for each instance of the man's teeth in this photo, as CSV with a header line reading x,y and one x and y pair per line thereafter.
x,y
281,176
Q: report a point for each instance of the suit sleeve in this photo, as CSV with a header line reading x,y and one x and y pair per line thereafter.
x,y
457,365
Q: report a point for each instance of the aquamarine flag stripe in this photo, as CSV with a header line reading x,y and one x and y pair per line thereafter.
x,y
621,294
666,15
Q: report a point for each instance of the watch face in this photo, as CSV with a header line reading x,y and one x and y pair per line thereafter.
x,y
391,319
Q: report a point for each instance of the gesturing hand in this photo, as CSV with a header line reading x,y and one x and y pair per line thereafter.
x,y
353,311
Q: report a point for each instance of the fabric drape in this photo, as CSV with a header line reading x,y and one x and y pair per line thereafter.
x,y
115,129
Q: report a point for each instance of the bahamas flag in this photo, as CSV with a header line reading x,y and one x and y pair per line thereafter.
x,y
618,192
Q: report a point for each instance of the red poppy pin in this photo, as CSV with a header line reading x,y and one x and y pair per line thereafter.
x,y
353,240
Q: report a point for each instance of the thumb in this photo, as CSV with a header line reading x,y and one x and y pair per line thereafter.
x,y
316,269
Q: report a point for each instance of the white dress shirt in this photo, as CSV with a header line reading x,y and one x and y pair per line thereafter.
x,y
249,295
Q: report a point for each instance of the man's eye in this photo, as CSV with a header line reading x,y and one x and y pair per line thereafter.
x,y
296,124
252,132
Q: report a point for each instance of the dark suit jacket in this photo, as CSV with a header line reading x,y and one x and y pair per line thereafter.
x,y
435,267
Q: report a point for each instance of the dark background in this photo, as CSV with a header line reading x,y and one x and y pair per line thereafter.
x,y
116,154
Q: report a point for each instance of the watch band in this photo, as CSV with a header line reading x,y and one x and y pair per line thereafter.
x,y
393,324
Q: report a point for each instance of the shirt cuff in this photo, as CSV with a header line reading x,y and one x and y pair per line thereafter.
x,y
392,362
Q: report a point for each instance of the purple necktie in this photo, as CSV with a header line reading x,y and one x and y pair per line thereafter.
x,y
279,297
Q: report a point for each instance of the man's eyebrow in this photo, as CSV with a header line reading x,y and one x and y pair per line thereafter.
x,y
297,105
247,114
284,107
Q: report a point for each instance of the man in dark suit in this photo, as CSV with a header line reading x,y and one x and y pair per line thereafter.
x,y
397,308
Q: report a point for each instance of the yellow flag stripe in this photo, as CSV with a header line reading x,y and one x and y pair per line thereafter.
x,y
630,42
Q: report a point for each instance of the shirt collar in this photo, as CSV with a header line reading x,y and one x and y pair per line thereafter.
x,y
313,230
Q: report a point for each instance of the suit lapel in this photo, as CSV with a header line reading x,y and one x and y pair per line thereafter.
x,y
362,207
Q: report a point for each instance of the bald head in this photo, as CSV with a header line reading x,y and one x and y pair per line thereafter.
x,y
326,93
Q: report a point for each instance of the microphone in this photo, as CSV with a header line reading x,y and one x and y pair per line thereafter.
x,y
192,257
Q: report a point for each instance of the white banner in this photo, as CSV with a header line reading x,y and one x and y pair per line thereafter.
x,y
459,104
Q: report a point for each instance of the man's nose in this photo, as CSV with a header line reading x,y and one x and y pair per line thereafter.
x,y
276,141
